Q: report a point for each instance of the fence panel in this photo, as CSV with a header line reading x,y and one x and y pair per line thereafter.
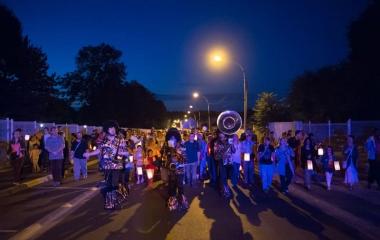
x,y
4,130
27,127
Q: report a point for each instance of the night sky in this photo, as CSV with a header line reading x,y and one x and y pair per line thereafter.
x,y
164,43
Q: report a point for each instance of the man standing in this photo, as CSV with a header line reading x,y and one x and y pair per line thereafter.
x,y
44,153
78,148
247,150
192,159
55,145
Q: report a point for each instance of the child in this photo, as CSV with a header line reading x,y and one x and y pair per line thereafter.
x,y
149,165
34,156
139,158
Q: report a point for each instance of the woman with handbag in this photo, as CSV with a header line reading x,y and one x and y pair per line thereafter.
x,y
350,164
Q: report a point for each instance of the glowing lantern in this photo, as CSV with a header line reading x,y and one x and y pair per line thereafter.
x,y
320,151
149,173
94,148
247,157
336,165
196,137
131,158
27,137
240,169
309,165
139,171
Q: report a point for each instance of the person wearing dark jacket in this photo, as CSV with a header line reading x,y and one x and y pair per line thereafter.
x,y
308,163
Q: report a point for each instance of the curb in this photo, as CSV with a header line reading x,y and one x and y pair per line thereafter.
x,y
35,182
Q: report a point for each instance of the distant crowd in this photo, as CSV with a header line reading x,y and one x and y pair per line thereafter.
x,y
212,156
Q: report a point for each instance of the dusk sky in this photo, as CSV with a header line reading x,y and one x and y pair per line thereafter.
x,y
164,43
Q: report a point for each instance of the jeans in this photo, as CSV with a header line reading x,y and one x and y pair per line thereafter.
x,y
235,173
373,172
80,166
328,179
191,172
266,172
202,167
307,177
225,171
286,179
248,172
56,169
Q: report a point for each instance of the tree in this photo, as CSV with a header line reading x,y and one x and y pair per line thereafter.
x,y
99,89
268,108
26,88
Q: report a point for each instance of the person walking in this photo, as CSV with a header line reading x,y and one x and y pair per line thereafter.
x,y
266,155
16,152
285,167
373,158
78,147
328,161
247,150
192,159
54,145
308,163
236,160
350,163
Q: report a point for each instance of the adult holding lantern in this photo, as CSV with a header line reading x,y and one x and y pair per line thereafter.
x,y
308,155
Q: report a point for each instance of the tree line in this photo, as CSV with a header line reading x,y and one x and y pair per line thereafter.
x,y
95,91
349,89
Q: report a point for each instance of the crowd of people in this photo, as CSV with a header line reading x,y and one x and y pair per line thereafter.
x,y
190,157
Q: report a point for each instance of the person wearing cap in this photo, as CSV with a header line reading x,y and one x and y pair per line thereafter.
x,y
78,147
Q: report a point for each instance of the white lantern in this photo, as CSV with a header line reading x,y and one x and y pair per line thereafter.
x,y
131,158
149,173
309,165
94,148
336,166
247,157
27,137
240,169
119,157
41,125
320,151
139,171
195,137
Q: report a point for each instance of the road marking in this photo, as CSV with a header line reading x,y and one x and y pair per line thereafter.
x,y
67,188
52,219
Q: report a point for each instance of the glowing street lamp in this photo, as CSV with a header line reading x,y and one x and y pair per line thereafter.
x,y
191,106
218,59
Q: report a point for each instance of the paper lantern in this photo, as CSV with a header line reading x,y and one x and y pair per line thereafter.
x,y
130,158
119,157
149,173
336,165
309,165
247,157
196,137
94,148
240,168
139,171
27,137
320,151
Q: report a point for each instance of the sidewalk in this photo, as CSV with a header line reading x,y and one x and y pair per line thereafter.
x,y
29,179
358,208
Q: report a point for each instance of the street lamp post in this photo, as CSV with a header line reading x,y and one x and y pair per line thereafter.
x,y
220,58
196,95
245,93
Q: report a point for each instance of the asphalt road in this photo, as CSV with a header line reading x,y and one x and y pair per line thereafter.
x,y
49,214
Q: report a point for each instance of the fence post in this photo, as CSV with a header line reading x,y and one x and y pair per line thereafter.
x,y
309,126
7,129
329,127
35,126
349,127
11,132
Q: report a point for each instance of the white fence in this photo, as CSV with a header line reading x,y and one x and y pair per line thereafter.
x,y
325,131
7,126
